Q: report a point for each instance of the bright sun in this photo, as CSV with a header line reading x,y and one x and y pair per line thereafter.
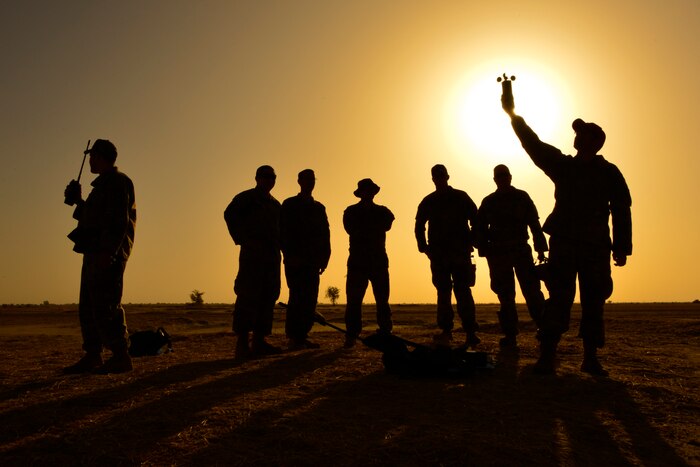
x,y
479,130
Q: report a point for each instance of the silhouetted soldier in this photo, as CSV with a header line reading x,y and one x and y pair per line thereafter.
x,y
105,236
449,213
367,224
587,190
253,220
501,236
307,249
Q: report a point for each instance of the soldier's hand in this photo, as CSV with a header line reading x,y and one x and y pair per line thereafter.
x,y
73,192
620,260
508,105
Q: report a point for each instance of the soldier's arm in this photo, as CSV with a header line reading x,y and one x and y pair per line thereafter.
x,y
388,219
533,221
115,217
542,154
481,229
419,229
325,232
286,218
233,215
621,211
471,210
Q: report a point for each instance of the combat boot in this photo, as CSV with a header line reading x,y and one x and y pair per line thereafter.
x,y
443,338
86,364
546,364
349,342
591,364
472,340
508,342
261,348
119,362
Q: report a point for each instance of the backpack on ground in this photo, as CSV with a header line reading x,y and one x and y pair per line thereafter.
x,y
150,342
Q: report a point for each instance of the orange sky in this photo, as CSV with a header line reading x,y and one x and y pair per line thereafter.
x,y
196,95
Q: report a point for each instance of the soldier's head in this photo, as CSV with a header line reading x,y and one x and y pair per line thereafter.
x,y
589,136
366,189
103,155
307,181
265,178
440,175
502,176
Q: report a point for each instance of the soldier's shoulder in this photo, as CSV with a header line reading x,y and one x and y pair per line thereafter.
x,y
118,178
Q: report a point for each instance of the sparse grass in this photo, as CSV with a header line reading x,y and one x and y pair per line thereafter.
x,y
333,406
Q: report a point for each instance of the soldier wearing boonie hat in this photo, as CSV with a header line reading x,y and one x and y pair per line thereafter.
x,y
367,224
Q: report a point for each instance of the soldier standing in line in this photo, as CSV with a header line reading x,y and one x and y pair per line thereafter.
x,y
253,220
367,224
305,238
587,190
104,236
449,213
501,233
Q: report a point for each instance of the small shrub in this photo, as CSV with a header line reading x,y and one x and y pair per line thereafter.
x,y
196,297
332,293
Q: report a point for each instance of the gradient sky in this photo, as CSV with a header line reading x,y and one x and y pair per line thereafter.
x,y
197,94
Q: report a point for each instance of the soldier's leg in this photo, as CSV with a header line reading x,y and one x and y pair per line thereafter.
x,y
380,288
309,298
596,286
529,283
110,317
442,281
248,289
557,311
108,284
464,277
293,324
262,324
92,342
355,288
503,285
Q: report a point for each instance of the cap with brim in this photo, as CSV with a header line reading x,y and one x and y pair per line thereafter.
x,y
104,147
591,129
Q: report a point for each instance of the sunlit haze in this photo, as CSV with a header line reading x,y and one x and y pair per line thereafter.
x,y
197,95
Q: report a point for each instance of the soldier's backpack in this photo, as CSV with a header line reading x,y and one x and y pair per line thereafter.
x,y
150,342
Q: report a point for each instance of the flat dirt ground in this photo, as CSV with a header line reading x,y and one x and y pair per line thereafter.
x,y
334,406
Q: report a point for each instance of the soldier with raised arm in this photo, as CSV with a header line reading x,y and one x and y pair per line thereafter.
x,y
588,190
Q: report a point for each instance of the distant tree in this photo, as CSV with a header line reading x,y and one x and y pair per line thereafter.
x,y
196,297
332,293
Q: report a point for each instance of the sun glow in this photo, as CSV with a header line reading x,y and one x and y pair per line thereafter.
x,y
477,128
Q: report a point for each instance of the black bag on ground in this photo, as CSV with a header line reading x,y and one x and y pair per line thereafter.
x,y
151,342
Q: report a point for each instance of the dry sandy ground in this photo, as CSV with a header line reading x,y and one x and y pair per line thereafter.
x,y
333,406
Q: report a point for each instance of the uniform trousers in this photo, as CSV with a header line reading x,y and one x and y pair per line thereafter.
x,y
303,282
102,318
359,277
591,264
505,264
458,274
